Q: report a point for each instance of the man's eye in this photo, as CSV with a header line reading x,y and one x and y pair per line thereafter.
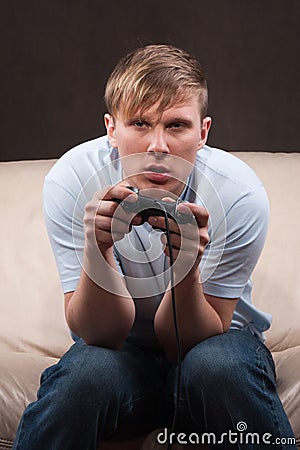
x,y
176,125
139,124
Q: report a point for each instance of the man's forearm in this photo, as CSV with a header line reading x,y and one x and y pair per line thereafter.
x,y
197,319
100,316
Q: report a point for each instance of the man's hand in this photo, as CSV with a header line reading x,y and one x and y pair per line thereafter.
x,y
188,240
103,222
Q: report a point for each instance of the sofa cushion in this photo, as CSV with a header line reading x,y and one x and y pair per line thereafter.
x,y
276,278
19,381
288,384
31,301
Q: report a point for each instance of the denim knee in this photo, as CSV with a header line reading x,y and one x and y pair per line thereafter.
x,y
229,379
88,376
97,393
86,391
228,362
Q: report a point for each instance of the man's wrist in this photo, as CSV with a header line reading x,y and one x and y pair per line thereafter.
x,y
193,276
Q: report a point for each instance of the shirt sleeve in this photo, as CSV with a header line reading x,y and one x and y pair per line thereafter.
x,y
65,231
235,247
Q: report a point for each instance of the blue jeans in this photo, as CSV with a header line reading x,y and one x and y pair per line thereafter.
x,y
94,393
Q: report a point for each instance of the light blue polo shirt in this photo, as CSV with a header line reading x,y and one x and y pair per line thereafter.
x,y
238,220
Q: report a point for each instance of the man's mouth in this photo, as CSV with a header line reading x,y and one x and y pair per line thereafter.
x,y
157,173
157,169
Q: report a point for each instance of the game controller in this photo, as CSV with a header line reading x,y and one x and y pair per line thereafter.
x,y
147,206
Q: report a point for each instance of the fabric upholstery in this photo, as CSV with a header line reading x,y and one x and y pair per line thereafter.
x,y
33,331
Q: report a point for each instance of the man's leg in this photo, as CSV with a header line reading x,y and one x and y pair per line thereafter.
x,y
229,391
93,393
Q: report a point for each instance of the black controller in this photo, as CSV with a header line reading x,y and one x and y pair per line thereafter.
x,y
147,206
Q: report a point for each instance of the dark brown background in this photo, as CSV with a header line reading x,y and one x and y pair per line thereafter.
x,y
56,56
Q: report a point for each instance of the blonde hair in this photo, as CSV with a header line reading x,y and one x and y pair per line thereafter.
x,y
153,74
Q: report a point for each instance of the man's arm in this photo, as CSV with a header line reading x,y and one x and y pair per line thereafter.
x,y
99,316
199,316
101,310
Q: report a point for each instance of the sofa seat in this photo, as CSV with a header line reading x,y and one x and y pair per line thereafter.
x,y
19,379
287,364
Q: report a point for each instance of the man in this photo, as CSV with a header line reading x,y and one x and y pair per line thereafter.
x,y
122,273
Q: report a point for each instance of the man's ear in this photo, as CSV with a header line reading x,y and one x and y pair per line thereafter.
x,y
110,128
206,124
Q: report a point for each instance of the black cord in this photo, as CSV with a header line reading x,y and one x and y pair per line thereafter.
x,y
178,345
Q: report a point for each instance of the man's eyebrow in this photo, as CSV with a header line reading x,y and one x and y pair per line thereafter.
x,y
138,117
180,119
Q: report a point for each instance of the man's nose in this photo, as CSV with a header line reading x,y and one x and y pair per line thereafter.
x,y
158,143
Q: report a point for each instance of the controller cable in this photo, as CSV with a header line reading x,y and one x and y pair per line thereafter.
x,y
178,345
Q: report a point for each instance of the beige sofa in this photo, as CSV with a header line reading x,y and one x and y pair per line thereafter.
x,y
33,332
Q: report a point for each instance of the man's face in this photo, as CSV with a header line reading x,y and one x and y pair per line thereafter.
x,y
160,149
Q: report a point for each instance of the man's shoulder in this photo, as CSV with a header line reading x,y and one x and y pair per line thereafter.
x,y
82,161
220,164
88,150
